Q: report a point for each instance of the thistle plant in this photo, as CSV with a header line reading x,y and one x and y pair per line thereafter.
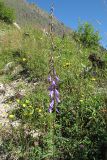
x,y
53,78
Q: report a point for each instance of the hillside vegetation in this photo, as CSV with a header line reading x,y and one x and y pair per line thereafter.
x,y
31,15
6,14
80,128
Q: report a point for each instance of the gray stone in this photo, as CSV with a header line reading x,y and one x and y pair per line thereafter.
x,y
2,89
17,71
8,67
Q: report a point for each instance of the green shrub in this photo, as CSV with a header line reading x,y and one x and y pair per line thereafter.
x,y
6,14
87,35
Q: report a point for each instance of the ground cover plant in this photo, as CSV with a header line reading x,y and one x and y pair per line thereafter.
x,y
6,14
76,129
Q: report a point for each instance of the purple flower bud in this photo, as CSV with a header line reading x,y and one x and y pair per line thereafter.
x,y
49,78
53,83
57,79
56,92
57,99
51,106
50,88
50,110
51,94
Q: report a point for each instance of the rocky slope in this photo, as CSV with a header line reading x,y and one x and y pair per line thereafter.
x,y
30,14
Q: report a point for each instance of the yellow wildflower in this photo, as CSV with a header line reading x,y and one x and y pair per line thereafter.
x,y
24,105
93,79
27,101
39,110
18,100
24,59
81,100
67,64
30,106
11,116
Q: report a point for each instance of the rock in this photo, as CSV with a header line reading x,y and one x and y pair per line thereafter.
x,y
8,67
17,26
17,71
36,133
8,103
2,89
16,124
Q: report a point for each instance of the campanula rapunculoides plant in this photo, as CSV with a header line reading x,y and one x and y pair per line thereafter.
x,y
53,78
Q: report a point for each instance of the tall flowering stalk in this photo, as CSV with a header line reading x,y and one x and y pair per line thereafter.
x,y
53,78
53,89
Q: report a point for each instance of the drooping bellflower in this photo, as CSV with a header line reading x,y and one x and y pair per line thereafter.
x,y
53,92
53,79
